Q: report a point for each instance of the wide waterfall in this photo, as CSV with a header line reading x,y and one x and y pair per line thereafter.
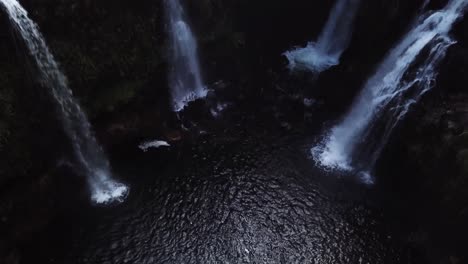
x,y
185,78
334,39
407,72
86,149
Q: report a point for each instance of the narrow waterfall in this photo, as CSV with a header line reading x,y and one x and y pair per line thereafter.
x,y
184,78
88,153
407,72
334,39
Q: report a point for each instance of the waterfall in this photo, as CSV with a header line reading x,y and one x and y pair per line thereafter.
x,y
407,72
88,153
334,39
185,78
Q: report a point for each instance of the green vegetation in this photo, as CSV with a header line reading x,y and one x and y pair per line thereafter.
x,y
109,98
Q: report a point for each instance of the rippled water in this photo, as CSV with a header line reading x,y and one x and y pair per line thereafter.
x,y
236,198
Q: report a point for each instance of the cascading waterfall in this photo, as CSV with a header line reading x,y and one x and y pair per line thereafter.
x,y
408,71
86,149
334,39
185,77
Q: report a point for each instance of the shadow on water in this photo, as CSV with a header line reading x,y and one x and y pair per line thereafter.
x,y
231,197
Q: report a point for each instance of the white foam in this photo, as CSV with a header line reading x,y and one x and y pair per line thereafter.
x,y
216,111
366,178
331,156
114,192
153,144
332,42
181,103
310,58
105,190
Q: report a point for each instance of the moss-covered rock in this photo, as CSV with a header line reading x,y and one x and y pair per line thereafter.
x,y
110,98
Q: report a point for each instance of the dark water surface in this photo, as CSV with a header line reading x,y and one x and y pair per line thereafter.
x,y
226,198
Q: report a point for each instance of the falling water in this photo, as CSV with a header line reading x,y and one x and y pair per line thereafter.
x,y
88,153
334,39
185,77
407,72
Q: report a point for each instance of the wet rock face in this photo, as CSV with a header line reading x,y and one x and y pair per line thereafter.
x,y
432,145
114,52
109,51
